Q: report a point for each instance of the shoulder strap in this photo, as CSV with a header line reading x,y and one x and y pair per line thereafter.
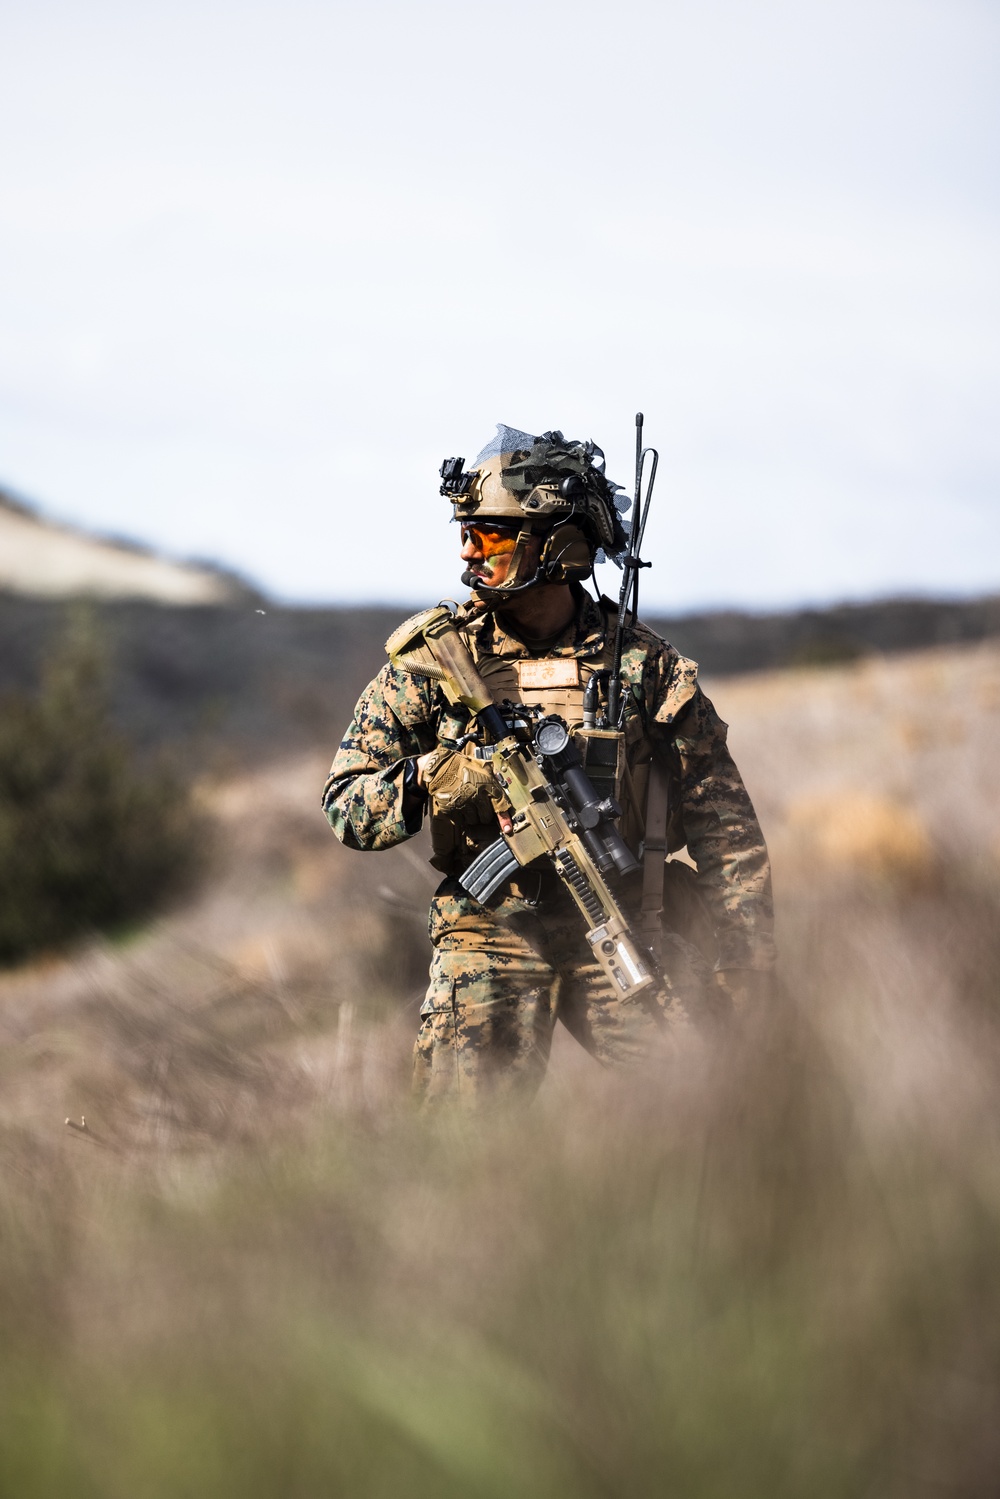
x,y
655,849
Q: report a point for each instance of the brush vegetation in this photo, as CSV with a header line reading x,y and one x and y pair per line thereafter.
x,y
767,1269
89,838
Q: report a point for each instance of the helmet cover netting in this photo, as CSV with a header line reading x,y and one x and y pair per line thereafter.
x,y
549,460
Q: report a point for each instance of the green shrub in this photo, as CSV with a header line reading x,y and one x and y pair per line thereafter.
x,y
89,839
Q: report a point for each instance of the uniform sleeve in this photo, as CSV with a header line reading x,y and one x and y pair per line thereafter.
x,y
363,795
717,818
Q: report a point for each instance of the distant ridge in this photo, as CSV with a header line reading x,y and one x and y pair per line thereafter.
x,y
246,683
727,641
41,558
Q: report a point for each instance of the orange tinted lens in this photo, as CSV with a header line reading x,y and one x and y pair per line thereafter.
x,y
490,543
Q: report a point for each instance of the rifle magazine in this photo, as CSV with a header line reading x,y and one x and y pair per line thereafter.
x,y
488,872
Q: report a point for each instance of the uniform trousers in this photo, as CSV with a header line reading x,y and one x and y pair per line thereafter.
x,y
504,972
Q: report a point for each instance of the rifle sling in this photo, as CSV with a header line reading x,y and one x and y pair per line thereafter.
x,y
655,848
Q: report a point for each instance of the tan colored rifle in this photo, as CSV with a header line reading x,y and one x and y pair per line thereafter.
x,y
555,809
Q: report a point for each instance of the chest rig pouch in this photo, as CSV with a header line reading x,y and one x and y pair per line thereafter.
x,y
617,761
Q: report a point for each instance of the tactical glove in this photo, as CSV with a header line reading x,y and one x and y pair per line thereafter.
x,y
463,787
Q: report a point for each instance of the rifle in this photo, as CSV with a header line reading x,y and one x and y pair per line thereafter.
x,y
555,809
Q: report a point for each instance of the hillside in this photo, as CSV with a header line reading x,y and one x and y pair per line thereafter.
x,y
250,678
857,785
881,770
729,641
198,662
40,558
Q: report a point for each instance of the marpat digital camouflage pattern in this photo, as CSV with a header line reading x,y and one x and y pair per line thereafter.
x,y
501,971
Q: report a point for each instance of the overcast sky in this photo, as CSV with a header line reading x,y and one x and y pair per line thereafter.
x,y
263,265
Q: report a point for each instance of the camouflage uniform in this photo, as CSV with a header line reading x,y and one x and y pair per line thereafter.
x,y
501,970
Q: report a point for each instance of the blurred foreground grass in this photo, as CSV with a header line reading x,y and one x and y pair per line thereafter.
x,y
770,1272
771,1269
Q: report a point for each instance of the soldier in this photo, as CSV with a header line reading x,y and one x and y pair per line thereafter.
x,y
535,514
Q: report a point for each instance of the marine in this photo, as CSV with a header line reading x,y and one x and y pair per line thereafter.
x,y
536,515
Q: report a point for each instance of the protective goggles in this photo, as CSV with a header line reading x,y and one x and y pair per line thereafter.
x,y
492,541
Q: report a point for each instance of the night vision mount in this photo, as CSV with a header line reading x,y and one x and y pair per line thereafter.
x,y
458,481
454,481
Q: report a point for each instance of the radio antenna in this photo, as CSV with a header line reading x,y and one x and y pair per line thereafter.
x,y
631,564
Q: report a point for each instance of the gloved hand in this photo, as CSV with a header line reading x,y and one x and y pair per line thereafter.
x,y
462,786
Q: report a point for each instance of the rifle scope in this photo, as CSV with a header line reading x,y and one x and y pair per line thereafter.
x,y
595,814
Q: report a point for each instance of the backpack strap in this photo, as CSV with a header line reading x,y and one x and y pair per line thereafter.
x,y
655,850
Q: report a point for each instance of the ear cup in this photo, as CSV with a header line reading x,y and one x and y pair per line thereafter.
x,y
567,554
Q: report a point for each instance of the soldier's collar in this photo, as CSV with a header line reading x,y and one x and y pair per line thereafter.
x,y
583,636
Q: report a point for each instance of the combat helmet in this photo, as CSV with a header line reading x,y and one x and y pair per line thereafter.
x,y
549,486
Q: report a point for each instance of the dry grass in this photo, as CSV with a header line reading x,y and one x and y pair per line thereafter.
x,y
771,1271
915,733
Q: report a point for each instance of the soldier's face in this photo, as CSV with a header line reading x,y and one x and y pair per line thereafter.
x,y
487,550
